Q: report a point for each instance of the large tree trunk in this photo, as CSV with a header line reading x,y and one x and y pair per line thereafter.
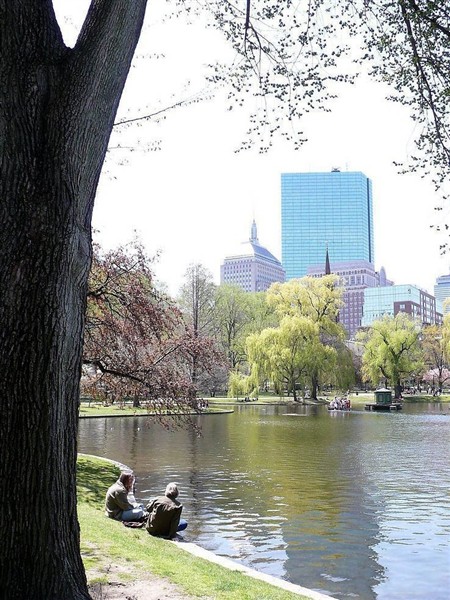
x,y
314,386
57,110
397,390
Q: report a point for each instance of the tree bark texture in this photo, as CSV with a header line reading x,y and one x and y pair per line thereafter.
x,y
57,108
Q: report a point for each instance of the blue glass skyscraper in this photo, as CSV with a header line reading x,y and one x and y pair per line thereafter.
x,y
442,292
320,210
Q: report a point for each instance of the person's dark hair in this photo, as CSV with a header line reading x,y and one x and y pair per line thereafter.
x,y
126,479
171,490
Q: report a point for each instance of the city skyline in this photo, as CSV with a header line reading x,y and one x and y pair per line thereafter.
x,y
193,199
404,244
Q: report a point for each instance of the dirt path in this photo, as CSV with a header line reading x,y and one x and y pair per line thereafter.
x,y
152,588
125,582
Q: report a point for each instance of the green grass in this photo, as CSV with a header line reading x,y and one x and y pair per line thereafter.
x,y
262,399
126,410
98,410
132,553
221,404
366,397
356,399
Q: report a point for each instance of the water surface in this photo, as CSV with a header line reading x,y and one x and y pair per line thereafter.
x,y
355,505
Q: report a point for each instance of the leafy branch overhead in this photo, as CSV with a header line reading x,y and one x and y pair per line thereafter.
x,y
408,44
290,58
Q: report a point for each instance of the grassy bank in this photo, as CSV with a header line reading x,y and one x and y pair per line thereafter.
x,y
223,404
262,399
356,399
124,410
365,397
109,547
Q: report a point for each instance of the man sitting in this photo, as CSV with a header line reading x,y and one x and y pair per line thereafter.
x,y
164,514
117,505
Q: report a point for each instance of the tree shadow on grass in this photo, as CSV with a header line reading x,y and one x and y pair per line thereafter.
x,y
94,477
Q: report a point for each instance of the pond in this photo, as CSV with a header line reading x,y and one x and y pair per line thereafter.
x,y
355,505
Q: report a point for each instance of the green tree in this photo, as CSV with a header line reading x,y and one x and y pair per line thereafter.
x,y
238,314
242,385
197,300
232,313
391,350
319,300
261,314
435,355
286,354
343,374
446,336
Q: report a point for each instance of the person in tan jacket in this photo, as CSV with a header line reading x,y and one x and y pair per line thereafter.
x,y
117,503
164,514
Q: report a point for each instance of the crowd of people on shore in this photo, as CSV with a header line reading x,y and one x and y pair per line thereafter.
x,y
431,390
162,515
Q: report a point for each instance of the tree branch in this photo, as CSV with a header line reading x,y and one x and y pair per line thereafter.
x,y
94,78
428,96
424,15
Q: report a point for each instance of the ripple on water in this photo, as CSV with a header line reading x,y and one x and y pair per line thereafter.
x,y
354,507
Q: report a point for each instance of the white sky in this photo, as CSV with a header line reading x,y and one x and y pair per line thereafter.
x,y
194,199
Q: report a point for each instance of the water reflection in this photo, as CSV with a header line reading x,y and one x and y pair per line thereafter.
x,y
352,504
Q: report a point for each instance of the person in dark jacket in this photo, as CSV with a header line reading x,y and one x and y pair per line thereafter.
x,y
117,503
164,514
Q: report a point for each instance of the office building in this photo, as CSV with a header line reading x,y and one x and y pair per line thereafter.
x,y
442,292
252,266
354,277
414,301
318,209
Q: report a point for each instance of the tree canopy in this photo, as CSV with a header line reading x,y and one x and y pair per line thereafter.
x,y
435,354
137,344
318,298
392,351
289,59
238,314
306,347
232,315
287,354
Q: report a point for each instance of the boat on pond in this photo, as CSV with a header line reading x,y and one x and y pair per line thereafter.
x,y
340,403
384,401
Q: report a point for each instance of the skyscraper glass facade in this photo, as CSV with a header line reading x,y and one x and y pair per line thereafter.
x,y
382,301
320,210
442,292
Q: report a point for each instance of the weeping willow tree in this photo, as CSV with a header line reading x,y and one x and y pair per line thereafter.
x,y
286,355
391,351
318,300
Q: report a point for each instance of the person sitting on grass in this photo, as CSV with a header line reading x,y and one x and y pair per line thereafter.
x,y
164,514
117,504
